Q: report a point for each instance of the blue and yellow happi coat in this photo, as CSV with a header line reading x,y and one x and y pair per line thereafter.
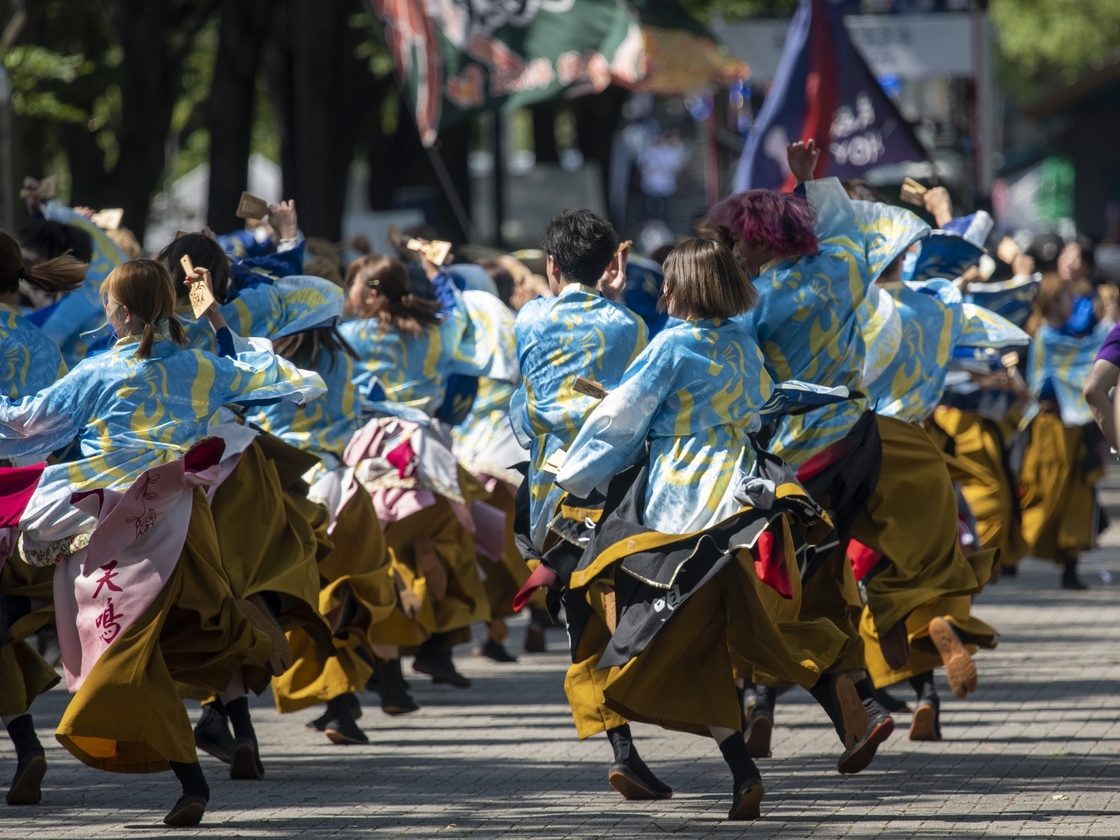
x,y
694,393
1064,361
935,323
271,310
806,320
31,361
131,414
932,320
324,426
413,370
72,322
486,428
577,333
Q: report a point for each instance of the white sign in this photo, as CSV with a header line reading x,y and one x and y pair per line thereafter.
x,y
914,46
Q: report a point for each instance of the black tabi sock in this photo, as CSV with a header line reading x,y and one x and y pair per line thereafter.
x,y
191,778
238,711
12,609
218,706
622,742
272,601
339,708
734,750
22,732
434,646
924,686
821,691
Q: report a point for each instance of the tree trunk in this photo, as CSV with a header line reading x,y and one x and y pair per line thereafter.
x,y
332,92
544,133
233,94
596,122
155,38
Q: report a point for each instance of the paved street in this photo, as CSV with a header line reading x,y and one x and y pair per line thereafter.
x,y
1031,754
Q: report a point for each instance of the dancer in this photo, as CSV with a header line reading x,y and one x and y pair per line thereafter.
x,y
709,529
936,323
812,276
26,593
166,614
578,333
1065,458
408,350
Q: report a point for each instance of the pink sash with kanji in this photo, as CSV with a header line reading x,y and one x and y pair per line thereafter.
x,y
101,590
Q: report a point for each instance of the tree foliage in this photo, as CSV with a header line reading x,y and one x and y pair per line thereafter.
x,y
1045,43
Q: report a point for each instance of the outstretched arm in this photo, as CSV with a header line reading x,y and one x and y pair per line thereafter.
x,y
1102,379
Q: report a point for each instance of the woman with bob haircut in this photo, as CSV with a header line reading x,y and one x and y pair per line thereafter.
x,y
708,526
142,604
408,349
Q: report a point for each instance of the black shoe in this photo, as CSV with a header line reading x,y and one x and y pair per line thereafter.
x,y
534,639
838,696
211,733
395,699
926,725
187,811
880,725
435,660
1070,578
245,759
1009,571
320,723
496,651
895,646
27,782
634,780
341,728
746,800
889,702
760,723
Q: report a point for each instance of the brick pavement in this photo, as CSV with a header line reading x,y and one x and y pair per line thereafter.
x,y
1031,754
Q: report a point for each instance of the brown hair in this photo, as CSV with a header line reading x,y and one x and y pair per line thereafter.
x,y
1050,291
706,281
304,348
502,277
62,274
396,306
145,287
204,253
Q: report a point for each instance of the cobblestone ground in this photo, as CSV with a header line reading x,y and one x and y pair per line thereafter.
x,y
1031,754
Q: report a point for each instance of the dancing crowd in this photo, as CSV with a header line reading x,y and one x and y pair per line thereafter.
x,y
787,451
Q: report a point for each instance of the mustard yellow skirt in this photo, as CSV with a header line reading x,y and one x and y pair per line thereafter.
x,y
267,544
24,674
978,442
461,598
127,716
358,568
684,679
1058,492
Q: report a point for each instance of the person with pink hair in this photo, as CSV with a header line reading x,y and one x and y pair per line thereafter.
x,y
813,259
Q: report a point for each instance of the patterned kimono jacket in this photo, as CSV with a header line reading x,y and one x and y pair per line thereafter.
x,y
806,321
577,333
130,415
485,442
74,320
30,360
271,310
1064,361
413,370
935,322
694,394
323,427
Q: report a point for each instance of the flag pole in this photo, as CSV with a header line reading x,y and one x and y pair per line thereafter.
x,y
449,191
